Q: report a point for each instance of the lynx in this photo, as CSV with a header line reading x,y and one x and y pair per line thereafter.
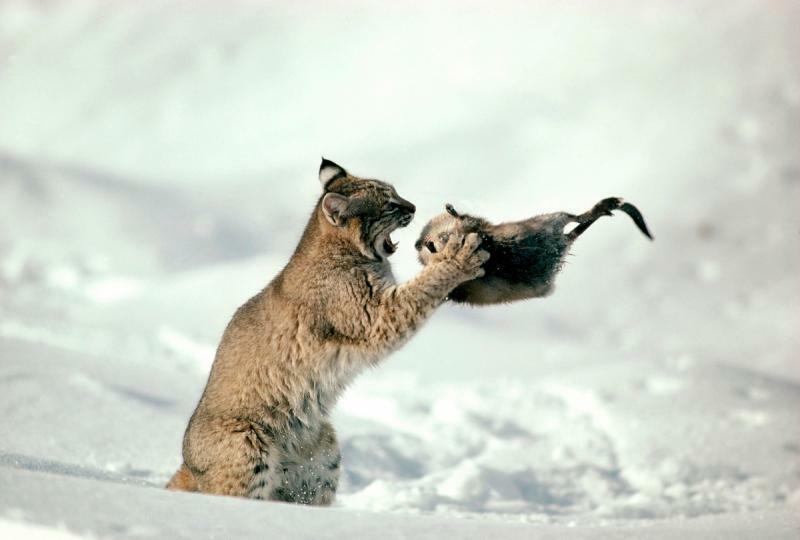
x,y
261,428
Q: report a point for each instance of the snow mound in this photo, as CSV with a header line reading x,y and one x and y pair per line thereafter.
x,y
157,165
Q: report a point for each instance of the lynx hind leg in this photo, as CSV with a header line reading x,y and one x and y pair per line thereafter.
x,y
310,474
229,457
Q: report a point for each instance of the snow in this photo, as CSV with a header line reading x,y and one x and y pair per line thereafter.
x,y
10,529
85,508
158,162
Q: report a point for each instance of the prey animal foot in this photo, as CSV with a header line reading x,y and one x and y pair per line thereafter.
x,y
604,208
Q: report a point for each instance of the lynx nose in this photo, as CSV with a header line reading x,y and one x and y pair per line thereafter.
x,y
406,205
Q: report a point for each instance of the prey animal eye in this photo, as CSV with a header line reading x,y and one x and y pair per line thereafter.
x,y
430,245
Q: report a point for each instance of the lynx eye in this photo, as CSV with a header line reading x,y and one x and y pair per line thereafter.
x,y
431,247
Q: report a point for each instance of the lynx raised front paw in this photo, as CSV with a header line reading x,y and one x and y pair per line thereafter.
x,y
462,257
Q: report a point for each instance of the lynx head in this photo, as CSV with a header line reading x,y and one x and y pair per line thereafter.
x,y
364,211
435,233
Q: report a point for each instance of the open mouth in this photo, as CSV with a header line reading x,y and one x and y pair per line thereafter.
x,y
384,245
389,247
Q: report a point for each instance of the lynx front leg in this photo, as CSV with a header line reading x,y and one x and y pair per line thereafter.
x,y
401,309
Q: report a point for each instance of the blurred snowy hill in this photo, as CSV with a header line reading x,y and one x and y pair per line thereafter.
x,y
158,162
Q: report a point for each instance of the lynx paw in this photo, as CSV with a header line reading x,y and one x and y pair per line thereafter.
x,y
462,255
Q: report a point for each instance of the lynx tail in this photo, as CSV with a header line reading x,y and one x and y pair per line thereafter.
x,y
182,480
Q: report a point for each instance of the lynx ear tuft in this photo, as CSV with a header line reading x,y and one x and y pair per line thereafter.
x,y
330,171
335,206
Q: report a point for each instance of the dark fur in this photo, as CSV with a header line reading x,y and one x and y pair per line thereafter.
x,y
526,256
519,259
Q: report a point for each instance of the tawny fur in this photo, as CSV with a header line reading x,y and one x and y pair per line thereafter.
x,y
182,480
261,428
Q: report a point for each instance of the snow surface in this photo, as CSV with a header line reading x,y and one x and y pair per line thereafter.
x,y
158,162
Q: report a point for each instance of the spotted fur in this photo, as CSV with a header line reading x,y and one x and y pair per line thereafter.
x,y
261,428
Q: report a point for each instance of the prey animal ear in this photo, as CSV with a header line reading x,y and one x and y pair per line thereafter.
x,y
330,171
451,210
335,206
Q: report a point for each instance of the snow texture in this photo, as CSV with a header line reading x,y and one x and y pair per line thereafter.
x,y
158,162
